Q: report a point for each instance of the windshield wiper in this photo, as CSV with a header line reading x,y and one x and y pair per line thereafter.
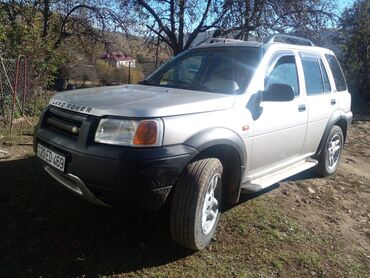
x,y
148,82
180,84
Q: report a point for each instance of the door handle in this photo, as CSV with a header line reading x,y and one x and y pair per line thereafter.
x,y
333,101
301,107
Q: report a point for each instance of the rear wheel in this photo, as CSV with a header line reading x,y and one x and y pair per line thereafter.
x,y
195,208
330,155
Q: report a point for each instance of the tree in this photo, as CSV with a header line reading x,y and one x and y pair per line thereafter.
x,y
178,22
43,30
354,27
261,18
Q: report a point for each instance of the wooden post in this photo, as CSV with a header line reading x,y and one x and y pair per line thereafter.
x,y
14,97
24,92
129,72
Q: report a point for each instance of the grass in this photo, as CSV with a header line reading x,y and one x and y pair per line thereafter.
x,y
18,133
309,260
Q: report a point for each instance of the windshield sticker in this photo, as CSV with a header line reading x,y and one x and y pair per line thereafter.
x,y
70,106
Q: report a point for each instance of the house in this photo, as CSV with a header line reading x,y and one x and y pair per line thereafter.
x,y
119,60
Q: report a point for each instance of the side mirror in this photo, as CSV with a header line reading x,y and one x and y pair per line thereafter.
x,y
278,92
255,106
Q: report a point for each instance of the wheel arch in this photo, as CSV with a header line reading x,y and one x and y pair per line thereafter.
x,y
337,118
229,148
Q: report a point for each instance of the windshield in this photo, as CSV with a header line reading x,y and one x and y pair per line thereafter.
x,y
220,70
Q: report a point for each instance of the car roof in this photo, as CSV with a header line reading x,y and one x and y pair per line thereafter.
x,y
225,42
299,43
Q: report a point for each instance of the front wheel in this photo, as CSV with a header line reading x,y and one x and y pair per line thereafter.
x,y
330,155
195,207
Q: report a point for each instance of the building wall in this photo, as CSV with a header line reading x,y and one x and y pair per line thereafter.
x,y
120,64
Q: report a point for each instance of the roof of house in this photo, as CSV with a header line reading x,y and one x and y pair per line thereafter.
x,y
116,56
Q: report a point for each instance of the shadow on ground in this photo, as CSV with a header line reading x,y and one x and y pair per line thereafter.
x,y
308,174
45,230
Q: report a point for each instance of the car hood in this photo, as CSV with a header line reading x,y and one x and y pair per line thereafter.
x,y
140,101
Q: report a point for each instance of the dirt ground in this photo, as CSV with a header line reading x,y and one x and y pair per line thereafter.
x,y
302,227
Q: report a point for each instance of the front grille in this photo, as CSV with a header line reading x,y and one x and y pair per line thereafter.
x,y
63,121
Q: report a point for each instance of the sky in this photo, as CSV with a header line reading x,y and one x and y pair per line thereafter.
x,y
344,4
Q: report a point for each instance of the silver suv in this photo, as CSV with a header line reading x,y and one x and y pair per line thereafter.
x,y
223,117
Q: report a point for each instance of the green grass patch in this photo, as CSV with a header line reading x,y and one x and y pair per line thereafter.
x,y
308,260
21,134
265,217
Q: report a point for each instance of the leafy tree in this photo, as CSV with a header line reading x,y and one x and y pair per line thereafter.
x,y
20,35
44,30
355,40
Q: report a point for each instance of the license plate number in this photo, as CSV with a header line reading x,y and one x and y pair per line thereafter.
x,y
51,157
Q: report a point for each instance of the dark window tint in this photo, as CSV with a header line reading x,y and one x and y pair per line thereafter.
x,y
325,78
284,72
312,76
340,82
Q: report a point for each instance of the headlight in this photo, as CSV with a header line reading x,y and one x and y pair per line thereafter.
x,y
145,133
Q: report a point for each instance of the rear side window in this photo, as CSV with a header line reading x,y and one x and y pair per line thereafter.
x,y
340,82
325,78
313,76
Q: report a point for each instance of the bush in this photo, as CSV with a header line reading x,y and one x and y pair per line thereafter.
x,y
108,75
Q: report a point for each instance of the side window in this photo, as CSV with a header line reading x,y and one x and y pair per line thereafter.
x,y
340,82
284,72
313,76
325,78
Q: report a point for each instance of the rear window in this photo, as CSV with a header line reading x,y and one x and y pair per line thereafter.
x,y
340,82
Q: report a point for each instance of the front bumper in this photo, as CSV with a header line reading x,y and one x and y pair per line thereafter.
x,y
116,176
74,184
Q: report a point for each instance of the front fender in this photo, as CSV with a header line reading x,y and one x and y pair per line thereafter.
x,y
219,136
215,137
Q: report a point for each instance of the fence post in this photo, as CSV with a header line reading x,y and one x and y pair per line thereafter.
x,y
24,92
2,98
129,72
14,97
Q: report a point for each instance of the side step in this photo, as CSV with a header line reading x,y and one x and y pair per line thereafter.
x,y
268,180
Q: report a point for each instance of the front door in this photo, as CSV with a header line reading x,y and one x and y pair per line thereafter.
x,y
280,129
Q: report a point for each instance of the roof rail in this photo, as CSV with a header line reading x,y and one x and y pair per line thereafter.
x,y
290,40
223,40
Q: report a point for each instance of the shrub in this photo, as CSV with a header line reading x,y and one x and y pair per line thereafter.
x,y
108,75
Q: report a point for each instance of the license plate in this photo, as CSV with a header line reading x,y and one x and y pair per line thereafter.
x,y
51,157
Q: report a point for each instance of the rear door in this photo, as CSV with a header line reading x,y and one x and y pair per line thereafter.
x,y
321,101
342,96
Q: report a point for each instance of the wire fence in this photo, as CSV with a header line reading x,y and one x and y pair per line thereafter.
x,y
18,100
15,91
89,75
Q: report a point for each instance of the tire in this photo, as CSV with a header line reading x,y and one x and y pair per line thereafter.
x,y
189,223
330,155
